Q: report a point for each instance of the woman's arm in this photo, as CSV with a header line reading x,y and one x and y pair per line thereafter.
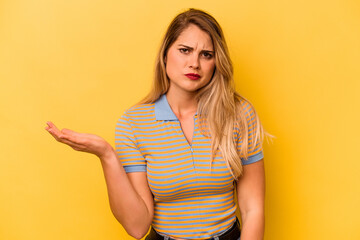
x,y
130,198
251,197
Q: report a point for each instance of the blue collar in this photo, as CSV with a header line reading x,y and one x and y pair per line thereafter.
x,y
163,110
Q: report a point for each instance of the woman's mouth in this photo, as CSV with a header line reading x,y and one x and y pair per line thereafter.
x,y
193,76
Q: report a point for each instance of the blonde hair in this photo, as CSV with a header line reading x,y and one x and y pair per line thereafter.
x,y
219,106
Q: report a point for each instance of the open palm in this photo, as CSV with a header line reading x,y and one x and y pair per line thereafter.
x,y
80,141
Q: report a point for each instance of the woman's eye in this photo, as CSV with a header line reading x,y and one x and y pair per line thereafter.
x,y
207,55
184,50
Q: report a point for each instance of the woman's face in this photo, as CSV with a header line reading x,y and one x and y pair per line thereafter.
x,y
190,60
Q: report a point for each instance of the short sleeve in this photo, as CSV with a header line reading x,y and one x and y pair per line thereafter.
x,y
255,152
126,148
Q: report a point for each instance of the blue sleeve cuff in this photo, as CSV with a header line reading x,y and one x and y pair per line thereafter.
x,y
135,168
253,158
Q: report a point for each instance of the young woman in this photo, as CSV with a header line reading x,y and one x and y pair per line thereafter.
x,y
181,152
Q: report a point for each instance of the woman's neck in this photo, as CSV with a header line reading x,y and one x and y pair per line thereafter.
x,y
182,103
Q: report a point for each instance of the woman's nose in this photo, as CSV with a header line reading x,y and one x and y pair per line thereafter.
x,y
194,61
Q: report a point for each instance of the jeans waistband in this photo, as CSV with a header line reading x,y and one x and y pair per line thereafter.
x,y
233,233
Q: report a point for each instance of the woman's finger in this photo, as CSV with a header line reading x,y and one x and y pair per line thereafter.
x,y
51,126
63,134
70,143
72,135
73,145
53,130
54,134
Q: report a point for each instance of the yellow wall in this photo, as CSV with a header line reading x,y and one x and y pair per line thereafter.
x,y
82,63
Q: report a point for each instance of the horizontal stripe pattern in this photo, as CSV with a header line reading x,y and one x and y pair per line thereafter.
x,y
191,200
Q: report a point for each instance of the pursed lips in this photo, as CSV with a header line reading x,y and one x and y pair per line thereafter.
x,y
193,76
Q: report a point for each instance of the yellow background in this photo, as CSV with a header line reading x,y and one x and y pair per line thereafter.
x,y
81,63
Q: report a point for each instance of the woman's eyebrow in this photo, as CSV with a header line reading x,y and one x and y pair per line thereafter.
x,y
193,48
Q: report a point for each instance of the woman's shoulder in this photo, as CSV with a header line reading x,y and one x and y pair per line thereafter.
x,y
139,107
246,108
139,110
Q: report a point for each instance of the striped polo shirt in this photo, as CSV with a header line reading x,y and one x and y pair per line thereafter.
x,y
191,199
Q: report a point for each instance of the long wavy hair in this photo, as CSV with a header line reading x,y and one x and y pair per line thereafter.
x,y
219,106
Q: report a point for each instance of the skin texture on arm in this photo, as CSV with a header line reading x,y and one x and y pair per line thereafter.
x,y
130,198
251,198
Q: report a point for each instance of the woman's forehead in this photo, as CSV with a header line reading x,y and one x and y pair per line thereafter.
x,y
194,37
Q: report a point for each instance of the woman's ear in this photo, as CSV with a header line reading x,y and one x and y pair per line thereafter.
x,y
165,59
